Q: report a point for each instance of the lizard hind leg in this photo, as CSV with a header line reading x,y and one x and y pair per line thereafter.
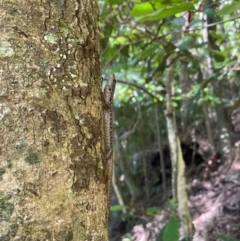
x,y
109,154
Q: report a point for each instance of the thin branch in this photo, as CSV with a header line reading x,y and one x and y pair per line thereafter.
x,y
211,24
139,87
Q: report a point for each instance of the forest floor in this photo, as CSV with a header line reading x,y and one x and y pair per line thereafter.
x,y
214,202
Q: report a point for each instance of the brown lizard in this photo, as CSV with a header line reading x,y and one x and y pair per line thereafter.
x,y
108,94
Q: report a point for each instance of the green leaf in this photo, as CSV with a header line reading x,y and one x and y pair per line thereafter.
x,y
172,204
117,208
186,43
196,23
167,12
210,12
120,40
172,230
228,9
169,2
179,21
160,235
151,211
117,2
142,9
148,51
162,65
219,36
218,56
125,51
132,211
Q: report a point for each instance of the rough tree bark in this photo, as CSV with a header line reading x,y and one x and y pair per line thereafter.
x,y
52,180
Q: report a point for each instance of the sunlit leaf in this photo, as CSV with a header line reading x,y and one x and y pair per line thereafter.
x,y
169,2
167,12
120,40
142,9
228,9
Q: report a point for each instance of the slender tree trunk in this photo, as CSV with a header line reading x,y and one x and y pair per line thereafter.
x,y
184,83
161,157
223,135
171,128
208,126
116,189
54,186
178,164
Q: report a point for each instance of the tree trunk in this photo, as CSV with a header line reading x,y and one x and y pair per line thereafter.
x,y
51,148
178,165
224,129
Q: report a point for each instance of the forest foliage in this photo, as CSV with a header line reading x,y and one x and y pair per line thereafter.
x,y
140,41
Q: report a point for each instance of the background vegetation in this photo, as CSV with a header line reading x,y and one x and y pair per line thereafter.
x,y
140,42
